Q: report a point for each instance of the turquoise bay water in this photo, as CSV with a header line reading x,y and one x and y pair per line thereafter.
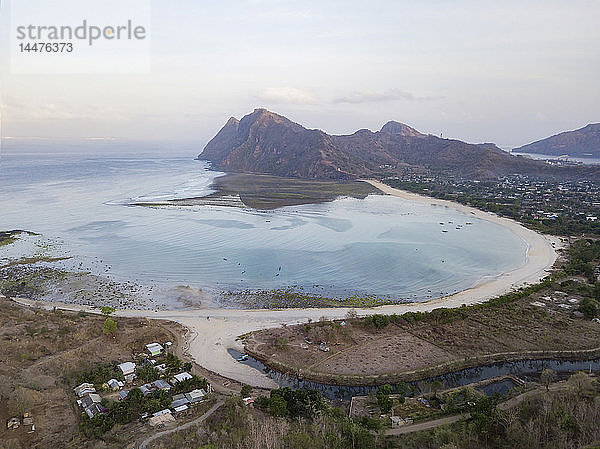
x,y
381,245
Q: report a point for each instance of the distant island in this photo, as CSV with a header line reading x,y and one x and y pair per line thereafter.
x,y
583,142
263,142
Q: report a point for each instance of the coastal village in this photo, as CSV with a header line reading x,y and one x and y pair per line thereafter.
x,y
90,400
563,207
155,380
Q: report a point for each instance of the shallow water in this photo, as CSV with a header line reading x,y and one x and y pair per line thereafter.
x,y
381,245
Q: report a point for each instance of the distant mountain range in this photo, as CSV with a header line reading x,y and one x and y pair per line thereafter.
x,y
584,142
265,142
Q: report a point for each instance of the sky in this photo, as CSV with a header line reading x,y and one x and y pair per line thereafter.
x,y
508,72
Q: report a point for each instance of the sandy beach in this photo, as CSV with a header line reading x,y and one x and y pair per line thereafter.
x,y
213,331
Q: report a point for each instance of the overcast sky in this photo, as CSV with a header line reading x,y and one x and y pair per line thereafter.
x,y
508,72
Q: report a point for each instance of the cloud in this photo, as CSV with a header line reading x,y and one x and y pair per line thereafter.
x,y
60,110
358,97
289,95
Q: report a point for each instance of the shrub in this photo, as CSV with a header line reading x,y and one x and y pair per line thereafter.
x,y
109,327
589,307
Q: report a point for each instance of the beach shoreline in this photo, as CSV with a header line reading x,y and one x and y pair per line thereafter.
x,y
216,330
541,252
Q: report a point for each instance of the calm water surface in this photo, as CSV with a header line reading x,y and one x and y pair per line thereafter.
x,y
381,245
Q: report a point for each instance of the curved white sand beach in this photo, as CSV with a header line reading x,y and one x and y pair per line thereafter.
x,y
216,330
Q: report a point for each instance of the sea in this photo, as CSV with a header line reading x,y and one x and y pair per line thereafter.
x,y
384,246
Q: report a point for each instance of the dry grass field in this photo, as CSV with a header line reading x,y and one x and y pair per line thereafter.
x,y
356,349
41,353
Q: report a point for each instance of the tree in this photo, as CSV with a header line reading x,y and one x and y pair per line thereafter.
x,y
546,378
246,390
436,386
109,327
383,398
581,383
107,311
147,373
402,389
277,405
589,307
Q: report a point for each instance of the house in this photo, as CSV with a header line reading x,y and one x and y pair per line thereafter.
x,y
128,370
89,400
397,421
161,385
596,320
195,395
84,389
181,377
161,368
154,349
123,394
94,409
147,389
115,384
248,401
179,402
181,408
161,420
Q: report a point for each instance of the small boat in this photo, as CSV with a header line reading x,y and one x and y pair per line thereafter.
x,y
242,358
469,223
444,230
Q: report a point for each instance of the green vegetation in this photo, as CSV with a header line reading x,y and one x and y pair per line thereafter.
x,y
237,427
107,311
383,398
123,412
558,419
100,374
589,307
293,403
146,373
290,297
245,391
109,327
135,404
582,254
